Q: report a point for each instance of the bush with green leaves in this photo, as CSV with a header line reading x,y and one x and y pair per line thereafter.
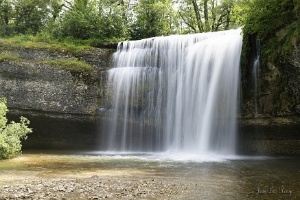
x,y
11,133
275,22
91,19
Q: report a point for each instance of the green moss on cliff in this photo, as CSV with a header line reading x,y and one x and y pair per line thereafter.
x,y
29,41
8,56
8,47
276,25
63,64
70,65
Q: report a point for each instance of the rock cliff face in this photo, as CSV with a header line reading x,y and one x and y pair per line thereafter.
x,y
278,91
30,85
63,105
274,127
270,136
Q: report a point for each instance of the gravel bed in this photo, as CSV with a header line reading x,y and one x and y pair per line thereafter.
x,y
95,187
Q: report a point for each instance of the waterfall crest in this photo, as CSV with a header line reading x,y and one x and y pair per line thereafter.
x,y
177,93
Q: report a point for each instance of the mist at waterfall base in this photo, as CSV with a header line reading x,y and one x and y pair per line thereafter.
x,y
176,96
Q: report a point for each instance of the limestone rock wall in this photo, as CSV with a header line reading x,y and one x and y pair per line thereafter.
x,y
63,106
272,136
278,87
30,85
275,128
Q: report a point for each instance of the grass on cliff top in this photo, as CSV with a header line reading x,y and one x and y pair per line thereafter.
x,y
7,56
64,64
45,42
70,65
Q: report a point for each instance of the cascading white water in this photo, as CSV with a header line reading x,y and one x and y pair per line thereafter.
x,y
256,71
177,93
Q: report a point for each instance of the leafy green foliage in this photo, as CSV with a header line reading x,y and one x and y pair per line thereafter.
x,y
91,19
44,41
206,15
268,17
29,15
27,41
70,65
81,22
84,22
7,56
11,134
153,18
79,19
5,16
275,22
106,20
276,25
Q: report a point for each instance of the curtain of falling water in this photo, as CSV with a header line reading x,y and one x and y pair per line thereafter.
x,y
177,93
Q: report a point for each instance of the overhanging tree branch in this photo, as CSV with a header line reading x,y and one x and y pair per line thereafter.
x,y
187,23
198,16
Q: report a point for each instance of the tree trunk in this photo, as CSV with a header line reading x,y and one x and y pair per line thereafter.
x,y
227,19
206,28
198,17
214,16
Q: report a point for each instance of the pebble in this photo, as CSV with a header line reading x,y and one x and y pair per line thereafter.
x,y
91,188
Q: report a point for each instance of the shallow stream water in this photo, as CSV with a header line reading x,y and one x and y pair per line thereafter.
x,y
236,178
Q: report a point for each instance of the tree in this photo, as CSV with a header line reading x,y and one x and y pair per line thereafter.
x,y
114,15
12,133
268,17
190,16
275,22
206,15
80,21
5,17
92,19
30,15
55,8
152,18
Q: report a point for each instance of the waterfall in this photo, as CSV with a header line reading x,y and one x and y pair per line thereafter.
x,y
256,71
177,93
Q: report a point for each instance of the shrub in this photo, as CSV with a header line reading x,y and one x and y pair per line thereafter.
x,y
11,134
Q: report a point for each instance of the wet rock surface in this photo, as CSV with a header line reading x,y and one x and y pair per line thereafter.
x,y
50,97
272,136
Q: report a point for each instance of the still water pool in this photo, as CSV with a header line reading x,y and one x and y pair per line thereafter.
x,y
235,178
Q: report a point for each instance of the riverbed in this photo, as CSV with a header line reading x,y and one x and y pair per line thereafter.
x,y
96,175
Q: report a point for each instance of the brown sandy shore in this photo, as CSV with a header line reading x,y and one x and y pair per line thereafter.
x,y
80,176
95,187
60,177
